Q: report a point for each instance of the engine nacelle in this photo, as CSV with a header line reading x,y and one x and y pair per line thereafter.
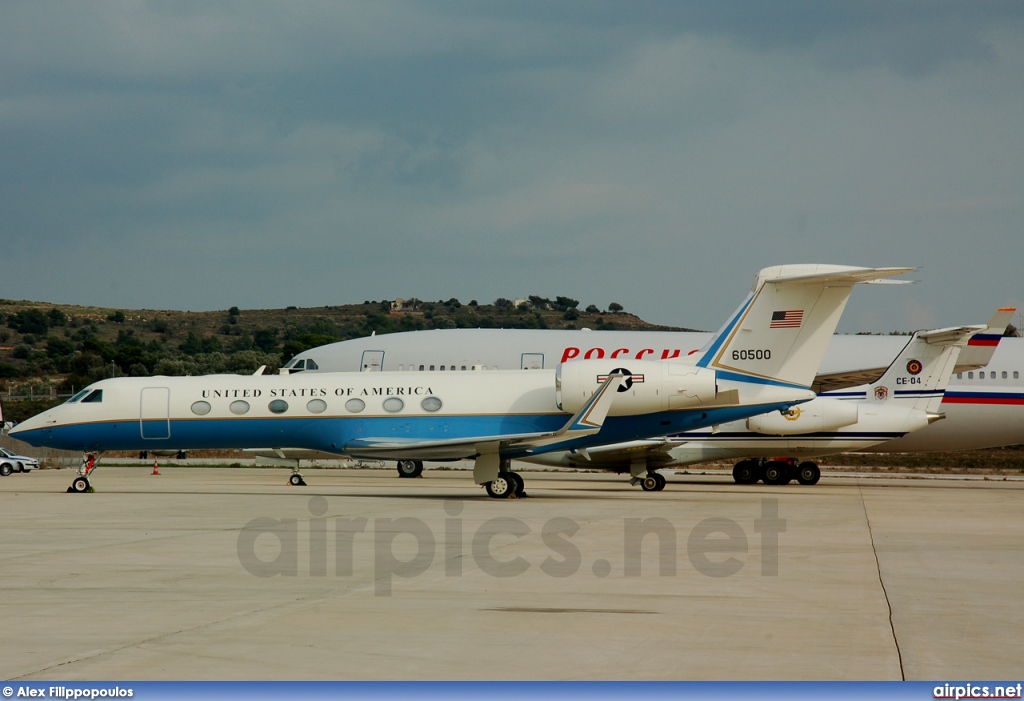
x,y
819,414
650,385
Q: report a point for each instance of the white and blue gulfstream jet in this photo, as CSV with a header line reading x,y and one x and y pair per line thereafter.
x,y
764,359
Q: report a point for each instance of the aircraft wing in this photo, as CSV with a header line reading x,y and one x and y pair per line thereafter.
x,y
587,421
829,382
650,449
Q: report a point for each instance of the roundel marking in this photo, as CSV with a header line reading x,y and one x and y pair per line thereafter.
x,y
627,383
914,367
792,414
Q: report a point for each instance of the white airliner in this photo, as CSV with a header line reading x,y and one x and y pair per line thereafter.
x,y
753,366
982,408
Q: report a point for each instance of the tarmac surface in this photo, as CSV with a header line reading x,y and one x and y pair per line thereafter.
x,y
228,573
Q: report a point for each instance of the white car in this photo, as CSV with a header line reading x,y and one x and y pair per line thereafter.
x,y
10,462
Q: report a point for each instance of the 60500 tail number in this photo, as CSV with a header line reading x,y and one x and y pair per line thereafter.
x,y
758,354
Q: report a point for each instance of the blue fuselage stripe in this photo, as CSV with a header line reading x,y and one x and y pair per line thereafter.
x,y
331,434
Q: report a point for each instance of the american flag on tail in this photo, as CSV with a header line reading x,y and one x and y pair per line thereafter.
x,y
790,319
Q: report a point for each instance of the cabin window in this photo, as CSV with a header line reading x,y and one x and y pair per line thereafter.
x,y
393,404
316,406
421,368
201,408
1004,374
431,368
970,376
239,406
959,376
442,368
94,397
463,367
278,406
1016,375
355,405
992,375
430,404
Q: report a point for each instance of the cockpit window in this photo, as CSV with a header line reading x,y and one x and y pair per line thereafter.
x,y
296,365
78,396
311,364
95,396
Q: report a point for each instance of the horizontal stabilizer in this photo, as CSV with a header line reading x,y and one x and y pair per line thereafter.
x,y
955,335
832,275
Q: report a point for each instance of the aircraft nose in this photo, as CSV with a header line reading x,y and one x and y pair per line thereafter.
x,y
30,430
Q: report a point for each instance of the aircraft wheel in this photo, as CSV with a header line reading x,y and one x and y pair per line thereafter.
x,y
745,472
661,481
410,468
80,485
650,483
808,473
5,469
775,473
520,484
296,480
501,488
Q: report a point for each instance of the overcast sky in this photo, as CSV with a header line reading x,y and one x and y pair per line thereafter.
x,y
200,155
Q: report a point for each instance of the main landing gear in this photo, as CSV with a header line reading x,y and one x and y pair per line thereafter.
x,y
410,468
649,479
775,472
88,466
653,482
508,485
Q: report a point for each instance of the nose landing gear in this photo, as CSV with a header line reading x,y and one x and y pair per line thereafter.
x,y
88,466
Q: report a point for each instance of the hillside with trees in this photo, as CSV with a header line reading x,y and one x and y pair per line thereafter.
x,y
52,349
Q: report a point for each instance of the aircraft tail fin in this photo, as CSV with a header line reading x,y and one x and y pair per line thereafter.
x,y
781,330
921,372
982,346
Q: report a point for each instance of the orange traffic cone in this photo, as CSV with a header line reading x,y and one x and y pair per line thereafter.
x,y
156,467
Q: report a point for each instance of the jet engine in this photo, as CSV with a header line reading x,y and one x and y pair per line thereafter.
x,y
819,414
649,386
